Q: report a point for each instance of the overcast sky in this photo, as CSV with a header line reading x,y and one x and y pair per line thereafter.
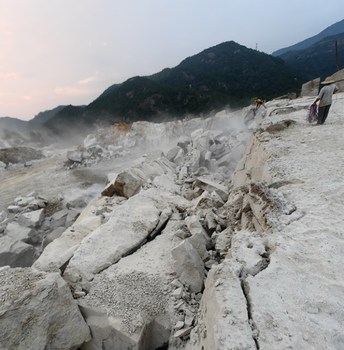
x,y
60,52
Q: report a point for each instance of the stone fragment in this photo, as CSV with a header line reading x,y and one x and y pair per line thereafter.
x,y
310,88
176,283
14,209
177,293
182,332
199,242
183,142
179,325
172,153
43,305
59,218
15,253
210,186
32,219
189,266
75,156
72,215
52,236
19,233
179,158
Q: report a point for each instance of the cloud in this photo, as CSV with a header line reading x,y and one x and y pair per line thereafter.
x,y
8,75
70,91
27,98
87,80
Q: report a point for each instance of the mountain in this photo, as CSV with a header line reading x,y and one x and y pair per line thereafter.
x,y
329,31
226,74
13,124
23,126
318,60
43,117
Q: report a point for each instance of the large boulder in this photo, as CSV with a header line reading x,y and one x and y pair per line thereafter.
x,y
135,307
310,88
19,233
128,227
189,266
38,312
224,319
32,219
15,253
19,155
129,182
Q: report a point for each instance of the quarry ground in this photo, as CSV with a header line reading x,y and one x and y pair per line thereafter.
x,y
49,178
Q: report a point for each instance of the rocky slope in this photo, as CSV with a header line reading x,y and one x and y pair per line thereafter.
x,y
201,244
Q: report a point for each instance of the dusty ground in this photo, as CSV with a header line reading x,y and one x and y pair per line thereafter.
x,y
49,178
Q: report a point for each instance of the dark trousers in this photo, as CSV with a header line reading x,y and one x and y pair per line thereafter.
x,y
323,113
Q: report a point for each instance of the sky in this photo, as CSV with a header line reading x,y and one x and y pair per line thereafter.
x,y
61,52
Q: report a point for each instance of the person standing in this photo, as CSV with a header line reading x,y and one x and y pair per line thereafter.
x,y
325,98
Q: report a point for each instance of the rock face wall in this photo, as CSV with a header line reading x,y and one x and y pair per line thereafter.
x,y
199,247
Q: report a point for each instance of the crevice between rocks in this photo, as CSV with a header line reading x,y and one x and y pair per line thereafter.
x,y
246,292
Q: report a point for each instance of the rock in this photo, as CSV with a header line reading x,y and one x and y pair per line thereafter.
x,y
223,310
129,182
189,266
310,88
179,158
14,209
59,219
75,156
199,241
195,227
59,252
41,304
140,279
224,160
183,142
3,216
15,253
210,186
177,293
126,230
182,332
72,215
252,250
32,219
172,153
20,233
24,201
223,241
50,237
183,234
179,325
19,155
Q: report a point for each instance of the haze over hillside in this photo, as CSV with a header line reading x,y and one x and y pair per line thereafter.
x,y
227,75
329,31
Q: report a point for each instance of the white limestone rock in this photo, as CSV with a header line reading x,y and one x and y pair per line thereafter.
x,y
38,312
189,266
135,297
19,233
32,219
127,228
58,253
224,321
15,253
210,185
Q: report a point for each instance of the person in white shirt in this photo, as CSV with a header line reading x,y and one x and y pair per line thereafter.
x,y
325,98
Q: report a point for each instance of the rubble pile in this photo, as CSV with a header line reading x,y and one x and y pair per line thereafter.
x,y
210,243
31,223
